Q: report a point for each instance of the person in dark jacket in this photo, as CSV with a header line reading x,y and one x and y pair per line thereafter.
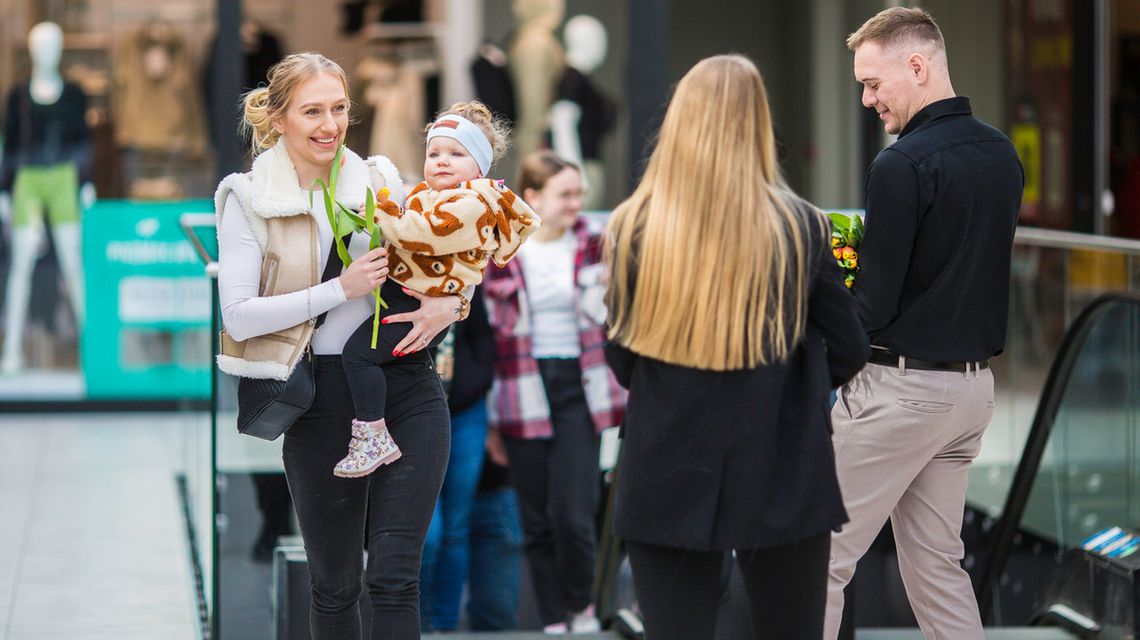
x,y
729,324
466,366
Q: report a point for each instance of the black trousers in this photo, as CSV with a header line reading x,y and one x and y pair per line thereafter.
x,y
678,590
393,507
363,364
557,484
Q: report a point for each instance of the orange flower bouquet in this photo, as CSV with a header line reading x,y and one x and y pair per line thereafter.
x,y
846,236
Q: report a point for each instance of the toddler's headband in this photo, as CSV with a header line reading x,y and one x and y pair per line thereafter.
x,y
469,135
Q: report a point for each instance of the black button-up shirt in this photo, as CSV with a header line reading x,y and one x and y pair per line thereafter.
x,y
942,205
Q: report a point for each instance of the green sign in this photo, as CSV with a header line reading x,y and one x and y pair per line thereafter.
x,y
148,303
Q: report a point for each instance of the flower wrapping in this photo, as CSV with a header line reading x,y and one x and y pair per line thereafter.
x,y
846,236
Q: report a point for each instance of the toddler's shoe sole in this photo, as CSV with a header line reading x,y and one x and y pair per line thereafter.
x,y
388,459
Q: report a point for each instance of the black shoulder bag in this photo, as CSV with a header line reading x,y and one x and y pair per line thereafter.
x,y
267,407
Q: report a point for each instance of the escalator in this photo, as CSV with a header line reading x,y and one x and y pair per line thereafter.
x,y
1078,477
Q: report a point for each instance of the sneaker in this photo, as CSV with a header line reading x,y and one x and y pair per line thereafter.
x,y
585,621
556,629
371,446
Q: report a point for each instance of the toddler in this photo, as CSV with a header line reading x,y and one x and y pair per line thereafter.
x,y
451,226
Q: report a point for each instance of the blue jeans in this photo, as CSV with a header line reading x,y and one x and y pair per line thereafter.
x,y
446,550
496,552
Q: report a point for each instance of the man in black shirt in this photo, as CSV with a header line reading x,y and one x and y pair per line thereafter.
x,y
942,205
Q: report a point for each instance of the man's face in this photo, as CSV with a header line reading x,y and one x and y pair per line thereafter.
x,y
890,84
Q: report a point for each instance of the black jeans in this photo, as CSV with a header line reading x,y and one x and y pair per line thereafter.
x,y
679,590
363,364
557,484
393,506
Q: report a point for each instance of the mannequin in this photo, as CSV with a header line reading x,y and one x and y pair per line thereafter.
x,y
47,156
581,114
536,65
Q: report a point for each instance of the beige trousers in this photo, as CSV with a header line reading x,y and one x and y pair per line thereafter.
x,y
904,440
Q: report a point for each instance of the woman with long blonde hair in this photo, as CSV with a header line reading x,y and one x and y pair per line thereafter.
x,y
729,323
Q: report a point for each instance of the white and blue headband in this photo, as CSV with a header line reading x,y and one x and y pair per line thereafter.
x,y
469,135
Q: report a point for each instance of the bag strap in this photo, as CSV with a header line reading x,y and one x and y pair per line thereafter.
x,y
333,268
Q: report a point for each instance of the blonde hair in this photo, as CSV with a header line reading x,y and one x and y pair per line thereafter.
x,y
496,129
711,239
263,105
898,25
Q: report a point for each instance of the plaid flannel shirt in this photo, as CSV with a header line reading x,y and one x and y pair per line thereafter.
x,y
517,406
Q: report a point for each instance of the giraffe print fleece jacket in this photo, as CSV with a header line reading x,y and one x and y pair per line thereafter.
x,y
441,241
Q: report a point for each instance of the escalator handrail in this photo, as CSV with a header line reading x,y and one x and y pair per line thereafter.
x,y
1051,396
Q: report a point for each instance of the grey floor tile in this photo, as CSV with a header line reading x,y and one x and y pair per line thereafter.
x,y
79,633
91,539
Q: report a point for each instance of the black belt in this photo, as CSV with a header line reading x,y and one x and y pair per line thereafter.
x,y
887,357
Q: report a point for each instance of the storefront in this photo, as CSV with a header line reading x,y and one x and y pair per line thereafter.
x,y
162,81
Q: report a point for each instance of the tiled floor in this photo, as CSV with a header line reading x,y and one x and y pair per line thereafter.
x,y
91,535
92,545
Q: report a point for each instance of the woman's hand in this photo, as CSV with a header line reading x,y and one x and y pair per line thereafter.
x,y
435,314
495,448
365,273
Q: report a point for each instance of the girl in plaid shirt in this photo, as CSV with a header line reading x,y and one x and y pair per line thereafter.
x,y
553,393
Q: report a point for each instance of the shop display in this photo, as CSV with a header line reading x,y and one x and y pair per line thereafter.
x,y
401,86
155,100
536,65
581,114
492,81
46,160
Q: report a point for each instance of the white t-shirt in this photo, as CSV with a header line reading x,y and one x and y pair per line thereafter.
x,y
548,269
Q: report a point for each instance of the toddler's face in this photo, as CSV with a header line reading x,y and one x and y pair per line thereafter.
x,y
448,163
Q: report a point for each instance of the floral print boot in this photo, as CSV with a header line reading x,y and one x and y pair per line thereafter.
x,y
371,446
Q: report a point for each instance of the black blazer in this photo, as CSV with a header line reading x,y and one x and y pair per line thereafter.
x,y
717,460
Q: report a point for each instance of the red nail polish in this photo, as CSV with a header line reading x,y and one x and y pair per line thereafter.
x,y
395,353
383,321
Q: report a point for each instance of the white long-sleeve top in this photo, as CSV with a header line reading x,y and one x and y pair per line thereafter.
x,y
246,314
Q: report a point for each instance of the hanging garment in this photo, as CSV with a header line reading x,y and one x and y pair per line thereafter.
x,y
493,82
155,103
398,93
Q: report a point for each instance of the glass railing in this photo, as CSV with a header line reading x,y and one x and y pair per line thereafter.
x,y
1080,470
1054,276
235,488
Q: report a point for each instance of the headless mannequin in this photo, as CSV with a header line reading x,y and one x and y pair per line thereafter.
x,y
45,44
586,42
536,65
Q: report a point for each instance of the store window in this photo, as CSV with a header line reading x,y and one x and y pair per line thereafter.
x,y
105,146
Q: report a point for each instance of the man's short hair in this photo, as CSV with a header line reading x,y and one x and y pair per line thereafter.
x,y
896,25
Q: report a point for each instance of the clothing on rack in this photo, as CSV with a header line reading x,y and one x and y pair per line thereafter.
x,y
261,50
156,105
399,91
493,83
599,113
